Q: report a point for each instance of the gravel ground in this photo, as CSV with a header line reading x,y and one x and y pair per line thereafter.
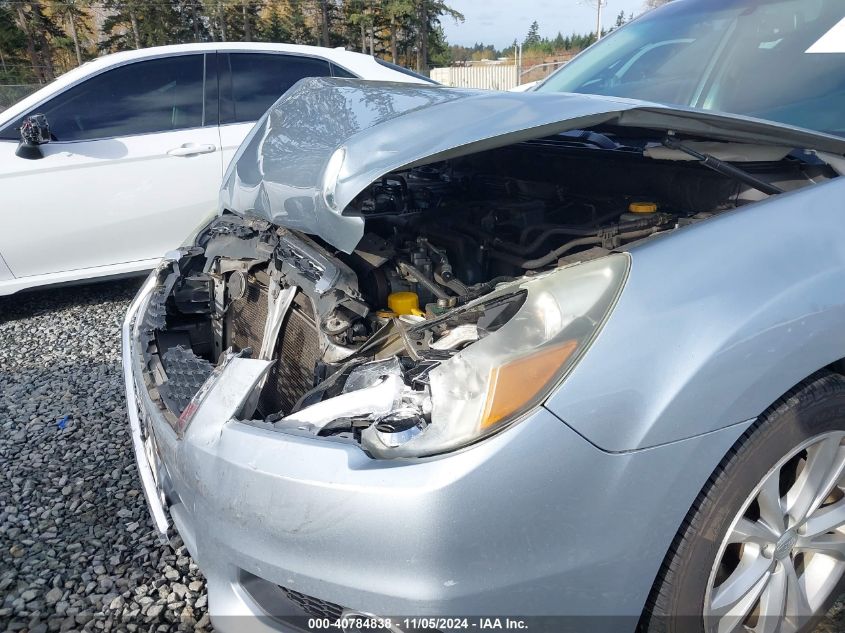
x,y
77,548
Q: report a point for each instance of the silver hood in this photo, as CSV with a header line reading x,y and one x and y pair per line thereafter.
x,y
327,139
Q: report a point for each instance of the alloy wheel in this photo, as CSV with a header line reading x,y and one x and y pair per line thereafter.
x,y
785,550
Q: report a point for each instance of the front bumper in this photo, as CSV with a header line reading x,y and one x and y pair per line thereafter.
x,y
141,439
534,521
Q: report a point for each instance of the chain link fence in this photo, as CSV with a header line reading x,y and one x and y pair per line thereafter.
x,y
12,93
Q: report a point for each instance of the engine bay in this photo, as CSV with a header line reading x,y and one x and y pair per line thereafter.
x,y
351,340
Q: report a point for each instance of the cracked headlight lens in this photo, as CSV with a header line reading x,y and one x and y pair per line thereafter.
x,y
493,382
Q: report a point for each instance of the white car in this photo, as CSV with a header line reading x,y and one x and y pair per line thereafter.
x,y
137,146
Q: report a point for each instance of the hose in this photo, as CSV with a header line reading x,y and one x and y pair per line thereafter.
x,y
483,289
552,229
572,229
545,260
633,225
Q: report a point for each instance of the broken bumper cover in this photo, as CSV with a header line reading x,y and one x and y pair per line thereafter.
x,y
523,523
141,440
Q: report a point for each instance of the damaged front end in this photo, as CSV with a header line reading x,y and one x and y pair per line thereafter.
x,y
408,381
413,295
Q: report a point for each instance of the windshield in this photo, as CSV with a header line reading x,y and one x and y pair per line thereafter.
x,y
782,60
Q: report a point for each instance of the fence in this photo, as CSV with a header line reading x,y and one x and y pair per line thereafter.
x,y
499,76
12,93
493,77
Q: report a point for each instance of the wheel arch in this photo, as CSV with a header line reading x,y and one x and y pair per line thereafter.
x,y
656,599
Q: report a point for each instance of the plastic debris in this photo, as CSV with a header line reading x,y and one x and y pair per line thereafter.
x,y
62,421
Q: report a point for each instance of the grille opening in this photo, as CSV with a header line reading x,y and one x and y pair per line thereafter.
x,y
313,606
296,610
285,605
297,350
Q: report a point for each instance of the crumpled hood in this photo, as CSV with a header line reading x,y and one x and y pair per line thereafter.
x,y
327,139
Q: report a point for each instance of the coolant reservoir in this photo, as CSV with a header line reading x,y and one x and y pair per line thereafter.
x,y
638,211
404,303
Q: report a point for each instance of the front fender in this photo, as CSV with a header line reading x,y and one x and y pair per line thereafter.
x,y
716,322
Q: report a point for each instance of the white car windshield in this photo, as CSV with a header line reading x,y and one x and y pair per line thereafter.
x,y
781,60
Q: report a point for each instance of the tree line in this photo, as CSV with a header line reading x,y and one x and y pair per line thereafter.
x,y
535,45
40,39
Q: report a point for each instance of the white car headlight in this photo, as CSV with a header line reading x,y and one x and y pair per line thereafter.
x,y
491,383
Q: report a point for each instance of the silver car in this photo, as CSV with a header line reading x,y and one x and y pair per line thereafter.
x,y
576,360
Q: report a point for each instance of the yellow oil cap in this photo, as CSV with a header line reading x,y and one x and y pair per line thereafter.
x,y
404,303
642,207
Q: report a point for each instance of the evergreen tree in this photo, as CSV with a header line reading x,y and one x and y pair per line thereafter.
x,y
300,31
273,28
139,23
533,37
39,32
620,19
42,38
13,62
428,31
73,15
398,14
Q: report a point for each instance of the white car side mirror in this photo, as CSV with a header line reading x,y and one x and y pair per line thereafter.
x,y
35,131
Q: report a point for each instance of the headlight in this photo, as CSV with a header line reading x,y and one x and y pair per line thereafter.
x,y
493,382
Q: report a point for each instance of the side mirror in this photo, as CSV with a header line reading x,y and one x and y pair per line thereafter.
x,y
35,131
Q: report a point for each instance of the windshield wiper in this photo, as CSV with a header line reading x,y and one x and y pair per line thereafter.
x,y
720,166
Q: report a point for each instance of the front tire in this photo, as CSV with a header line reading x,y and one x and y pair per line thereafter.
x,y
763,547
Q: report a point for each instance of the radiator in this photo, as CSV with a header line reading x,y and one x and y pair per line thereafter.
x,y
296,353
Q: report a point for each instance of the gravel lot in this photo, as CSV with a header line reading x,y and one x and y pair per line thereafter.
x,y
77,548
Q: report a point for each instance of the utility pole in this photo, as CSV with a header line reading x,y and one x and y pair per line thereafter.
x,y
599,4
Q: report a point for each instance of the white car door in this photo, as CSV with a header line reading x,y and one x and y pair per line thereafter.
x,y
252,82
135,165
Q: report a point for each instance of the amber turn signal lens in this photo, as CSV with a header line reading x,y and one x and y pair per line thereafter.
x,y
517,383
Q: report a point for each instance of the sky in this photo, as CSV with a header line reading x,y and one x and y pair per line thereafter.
x,y
498,22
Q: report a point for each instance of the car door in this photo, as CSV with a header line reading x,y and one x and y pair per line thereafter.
x,y
252,82
134,166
